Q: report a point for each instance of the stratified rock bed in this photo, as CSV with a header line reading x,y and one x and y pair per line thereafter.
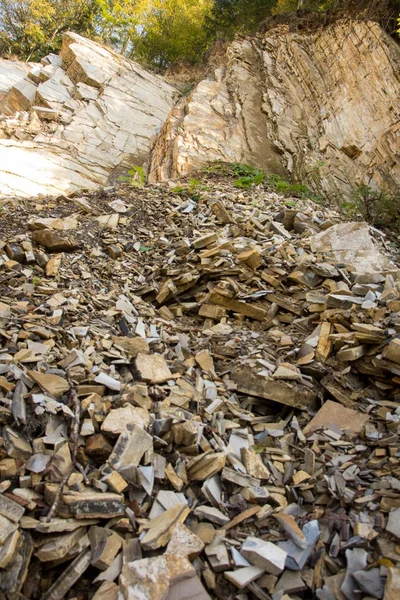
x,y
77,120
320,105
198,399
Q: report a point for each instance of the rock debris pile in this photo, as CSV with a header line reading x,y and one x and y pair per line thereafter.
x,y
198,399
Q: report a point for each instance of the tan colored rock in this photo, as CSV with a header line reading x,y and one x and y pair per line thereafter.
x,y
53,266
107,591
152,368
117,420
392,589
59,547
132,346
59,224
206,465
54,242
130,447
53,384
351,243
160,528
9,548
351,421
184,541
105,545
161,578
254,464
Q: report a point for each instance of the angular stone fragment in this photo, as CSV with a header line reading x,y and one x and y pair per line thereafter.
x,y
13,576
152,368
53,266
254,464
132,346
370,582
217,555
117,420
251,258
165,577
60,546
356,561
393,523
392,588
249,382
296,556
110,382
10,509
9,548
290,526
242,577
53,384
263,554
160,528
107,591
206,465
204,240
351,243
243,308
130,447
392,351
7,527
105,545
70,576
211,513
91,505
54,242
184,541
98,446
350,421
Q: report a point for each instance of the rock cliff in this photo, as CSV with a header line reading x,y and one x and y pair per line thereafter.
x,y
321,107
76,120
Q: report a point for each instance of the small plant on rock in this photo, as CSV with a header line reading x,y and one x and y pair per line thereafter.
x,y
136,177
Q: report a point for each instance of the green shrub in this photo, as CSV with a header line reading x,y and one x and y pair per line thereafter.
x,y
136,177
380,208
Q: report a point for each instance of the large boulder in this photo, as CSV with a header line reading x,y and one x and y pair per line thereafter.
x,y
321,106
351,244
92,115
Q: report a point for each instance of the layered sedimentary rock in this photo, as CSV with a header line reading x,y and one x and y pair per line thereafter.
x,y
11,72
77,120
320,106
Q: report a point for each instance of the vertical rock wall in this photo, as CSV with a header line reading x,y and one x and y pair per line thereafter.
x,y
322,107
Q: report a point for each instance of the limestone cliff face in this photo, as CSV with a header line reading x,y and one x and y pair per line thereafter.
x,y
321,106
77,120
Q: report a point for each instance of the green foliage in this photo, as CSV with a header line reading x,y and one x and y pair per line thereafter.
x,y
156,32
31,29
286,6
381,208
248,176
248,181
230,16
136,177
192,189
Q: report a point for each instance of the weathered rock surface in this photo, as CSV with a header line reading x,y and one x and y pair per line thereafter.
x,y
320,106
11,72
93,114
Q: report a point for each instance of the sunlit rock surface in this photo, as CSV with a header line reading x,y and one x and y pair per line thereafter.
x,y
321,106
78,120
